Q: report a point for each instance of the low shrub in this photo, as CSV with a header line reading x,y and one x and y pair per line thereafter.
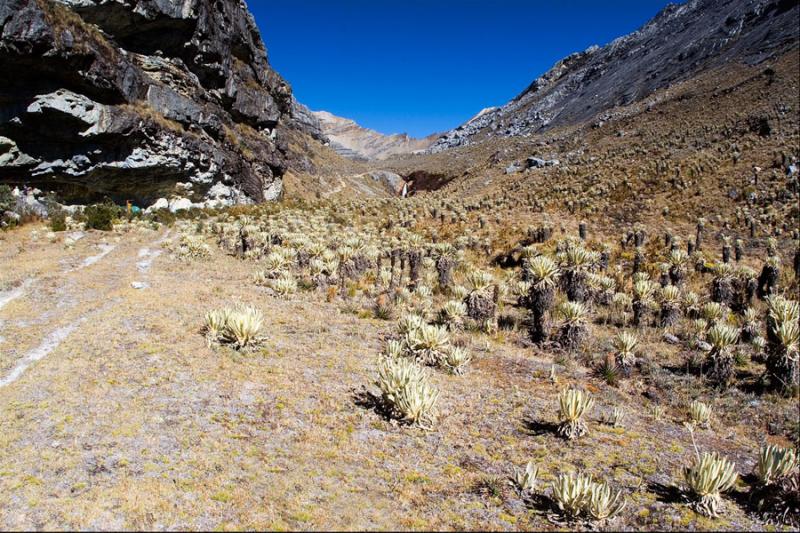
x,y
101,216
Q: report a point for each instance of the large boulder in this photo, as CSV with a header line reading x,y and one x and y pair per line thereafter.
x,y
125,98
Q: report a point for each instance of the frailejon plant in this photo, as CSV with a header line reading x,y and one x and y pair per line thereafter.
x,y
575,261
573,404
691,304
543,274
456,359
525,479
285,285
604,502
238,326
481,306
394,349
428,343
751,325
573,330
406,392
625,344
577,496
713,312
783,342
670,306
707,479
616,418
452,314
215,322
243,327
643,290
720,360
699,414
570,493
778,491
775,464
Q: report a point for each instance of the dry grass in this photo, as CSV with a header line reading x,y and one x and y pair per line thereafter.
x,y
133,422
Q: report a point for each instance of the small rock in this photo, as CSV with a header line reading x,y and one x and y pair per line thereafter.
x,y
538,162
180,204
161,203
535,162
671,339
139,285
704,346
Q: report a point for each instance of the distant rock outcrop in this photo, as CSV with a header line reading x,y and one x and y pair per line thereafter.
x,y
305,120
678,43
124,98
356,142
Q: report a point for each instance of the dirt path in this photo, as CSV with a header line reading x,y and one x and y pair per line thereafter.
x,y
44,317
12,294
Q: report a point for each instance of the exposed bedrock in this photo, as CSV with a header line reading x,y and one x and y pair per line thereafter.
x,y
125,98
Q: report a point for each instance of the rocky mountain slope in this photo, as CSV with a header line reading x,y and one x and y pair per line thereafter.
x,y
356,142
680,42
124,98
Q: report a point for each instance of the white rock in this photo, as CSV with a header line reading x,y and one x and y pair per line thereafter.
x,y
219,191
273,191
180,204
161,203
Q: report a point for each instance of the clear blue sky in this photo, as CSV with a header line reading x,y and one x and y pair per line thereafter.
x,y
425,66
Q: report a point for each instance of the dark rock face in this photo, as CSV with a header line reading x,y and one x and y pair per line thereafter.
x,y
303,119
680,42
124,98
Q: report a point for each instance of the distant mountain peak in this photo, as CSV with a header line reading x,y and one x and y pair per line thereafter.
x,y
354,141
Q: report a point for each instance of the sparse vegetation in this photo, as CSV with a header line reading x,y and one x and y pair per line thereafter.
x,y
510,313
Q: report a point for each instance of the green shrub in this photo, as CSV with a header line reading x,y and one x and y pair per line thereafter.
x,y
101,216
7,202
58,220
163,216
55,213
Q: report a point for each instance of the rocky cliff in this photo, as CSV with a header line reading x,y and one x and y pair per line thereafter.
x,y
680,42
356,142
125,98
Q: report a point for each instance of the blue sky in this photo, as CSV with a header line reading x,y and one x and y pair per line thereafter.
x,y
420,66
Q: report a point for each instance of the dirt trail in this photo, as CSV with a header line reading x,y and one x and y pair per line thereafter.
x,y
10,295
105,249
49,344
62,302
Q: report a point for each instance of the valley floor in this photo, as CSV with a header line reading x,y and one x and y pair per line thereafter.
x,y
119,415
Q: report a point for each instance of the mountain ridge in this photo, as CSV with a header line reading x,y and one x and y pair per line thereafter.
x,y
682,40
351,140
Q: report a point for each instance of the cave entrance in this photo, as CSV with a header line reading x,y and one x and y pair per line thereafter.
x,y
423,180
